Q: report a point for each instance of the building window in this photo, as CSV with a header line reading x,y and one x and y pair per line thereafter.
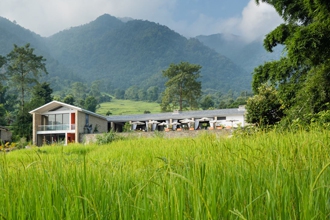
x,y
87,119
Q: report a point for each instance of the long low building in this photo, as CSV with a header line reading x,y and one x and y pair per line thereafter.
x,y
61,122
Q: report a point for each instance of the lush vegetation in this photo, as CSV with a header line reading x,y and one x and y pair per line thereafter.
x,y
127,107
135,53
302,76
122,55
259,176
183,87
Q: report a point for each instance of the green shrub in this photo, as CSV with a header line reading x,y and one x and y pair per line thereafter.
x,y
106,138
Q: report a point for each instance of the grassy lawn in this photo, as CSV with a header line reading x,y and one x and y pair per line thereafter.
x,y
261,176
127,107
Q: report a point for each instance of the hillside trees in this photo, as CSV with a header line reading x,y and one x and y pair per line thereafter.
x,y
182,88
302,76
20,72
24,69
41,94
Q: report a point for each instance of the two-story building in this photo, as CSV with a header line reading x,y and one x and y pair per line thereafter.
x,y
61,122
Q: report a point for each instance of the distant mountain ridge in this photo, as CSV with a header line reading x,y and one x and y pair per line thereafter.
x,y
135,52
247,55
122,54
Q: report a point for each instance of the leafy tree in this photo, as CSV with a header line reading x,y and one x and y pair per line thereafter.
x,y
182,88
207,102
120,94
24,69
4,120
79,91
132,93
95,91
69,99
152,93
2,61
302,76
265,108
90,103
142,94
41,94
23,125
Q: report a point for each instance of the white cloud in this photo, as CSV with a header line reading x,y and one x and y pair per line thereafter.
x,y
258,20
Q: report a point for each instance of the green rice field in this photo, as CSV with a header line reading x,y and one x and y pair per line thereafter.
x,y
127,107
263,176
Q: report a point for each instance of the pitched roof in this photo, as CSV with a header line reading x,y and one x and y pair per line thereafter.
x,y
56,104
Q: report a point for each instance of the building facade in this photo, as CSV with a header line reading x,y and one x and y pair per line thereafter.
x,y
58,122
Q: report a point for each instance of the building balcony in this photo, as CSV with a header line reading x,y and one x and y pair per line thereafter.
x,y
58,127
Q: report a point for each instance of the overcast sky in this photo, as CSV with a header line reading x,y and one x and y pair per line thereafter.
x,y
187,17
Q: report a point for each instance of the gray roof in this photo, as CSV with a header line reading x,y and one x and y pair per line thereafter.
x,y
178,115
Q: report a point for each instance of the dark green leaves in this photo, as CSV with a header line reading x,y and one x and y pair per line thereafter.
x,y
182,87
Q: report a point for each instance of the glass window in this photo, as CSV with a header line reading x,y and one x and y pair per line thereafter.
x,y
66,119
51,119
59,119
87,119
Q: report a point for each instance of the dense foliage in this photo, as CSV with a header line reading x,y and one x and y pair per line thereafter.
x,y
122,55
302,76
265,108
183,88
21,70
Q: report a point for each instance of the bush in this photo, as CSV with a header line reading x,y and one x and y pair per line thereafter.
x,y
106,138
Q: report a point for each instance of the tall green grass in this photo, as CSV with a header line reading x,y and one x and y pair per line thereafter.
x,y
264,176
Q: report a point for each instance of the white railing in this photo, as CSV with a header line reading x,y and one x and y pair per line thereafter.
x,y
58,127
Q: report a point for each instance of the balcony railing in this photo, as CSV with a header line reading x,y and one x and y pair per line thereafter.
x,y
59,127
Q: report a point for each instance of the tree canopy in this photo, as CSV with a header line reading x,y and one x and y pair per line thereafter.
x,y
182,88
302,75
24,69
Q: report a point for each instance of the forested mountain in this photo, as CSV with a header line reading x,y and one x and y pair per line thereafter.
x,y
123,54
11,33
247,55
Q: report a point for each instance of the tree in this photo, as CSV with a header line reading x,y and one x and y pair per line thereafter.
x,y
182,88
207,102
95,91
41,94
69,99
24,69
152,93
90,104
142,95
302,75
79,91
119,94
132,93
265,108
